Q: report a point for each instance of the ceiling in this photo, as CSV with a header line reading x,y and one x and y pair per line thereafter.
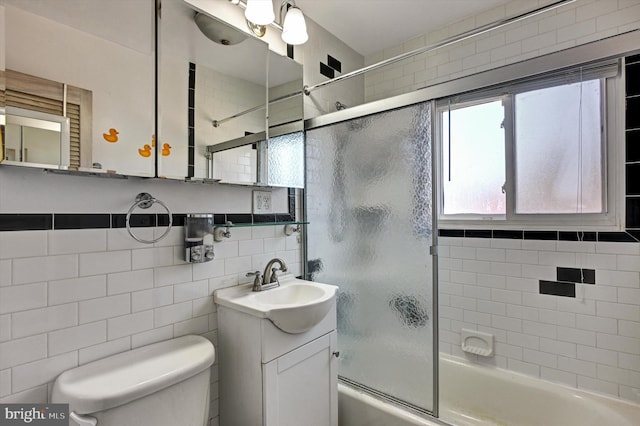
x,y
370,26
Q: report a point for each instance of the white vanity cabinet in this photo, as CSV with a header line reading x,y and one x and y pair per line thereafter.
x,y
272,378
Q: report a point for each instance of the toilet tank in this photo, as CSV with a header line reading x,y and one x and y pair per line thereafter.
x,y
163,384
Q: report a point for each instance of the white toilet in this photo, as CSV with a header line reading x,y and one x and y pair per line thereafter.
x,y
163,384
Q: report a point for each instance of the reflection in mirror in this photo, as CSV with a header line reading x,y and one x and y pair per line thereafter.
x,y
286,156
2,116
36,138
90,62
203,78
278,163
228,71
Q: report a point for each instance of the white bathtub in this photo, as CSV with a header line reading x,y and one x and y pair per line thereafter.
x,y
472,395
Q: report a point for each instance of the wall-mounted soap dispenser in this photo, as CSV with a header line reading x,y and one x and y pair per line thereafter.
x,y
198,241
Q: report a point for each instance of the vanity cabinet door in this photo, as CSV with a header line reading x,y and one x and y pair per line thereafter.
x,y
301,387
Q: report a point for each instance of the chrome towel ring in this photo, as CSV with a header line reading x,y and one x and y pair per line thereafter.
x,y
144,200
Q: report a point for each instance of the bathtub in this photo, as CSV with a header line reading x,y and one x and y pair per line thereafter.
x,y
472,395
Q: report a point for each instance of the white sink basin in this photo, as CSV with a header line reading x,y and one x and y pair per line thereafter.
x,y
294,307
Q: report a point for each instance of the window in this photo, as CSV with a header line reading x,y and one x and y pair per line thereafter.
x,y
473,145
526,150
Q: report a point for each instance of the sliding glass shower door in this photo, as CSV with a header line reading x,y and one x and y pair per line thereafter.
x,y
369,207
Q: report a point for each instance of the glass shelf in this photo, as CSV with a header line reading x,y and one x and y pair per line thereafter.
x,y
244,225
220,231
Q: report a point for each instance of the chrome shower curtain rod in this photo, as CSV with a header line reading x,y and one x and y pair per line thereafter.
x,y
217,123
451,40
447,42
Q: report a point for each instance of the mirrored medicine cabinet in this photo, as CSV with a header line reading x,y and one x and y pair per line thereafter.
x,y
79,93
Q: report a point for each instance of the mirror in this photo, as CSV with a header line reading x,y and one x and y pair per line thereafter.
x,y
36,138
213,89
88,63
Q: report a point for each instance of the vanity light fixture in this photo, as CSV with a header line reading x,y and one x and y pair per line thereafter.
x,y
259,13
294,28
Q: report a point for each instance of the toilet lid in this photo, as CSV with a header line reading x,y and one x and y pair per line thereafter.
x,y
119,379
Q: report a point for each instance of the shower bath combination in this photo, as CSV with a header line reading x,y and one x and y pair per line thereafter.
x,y
371,227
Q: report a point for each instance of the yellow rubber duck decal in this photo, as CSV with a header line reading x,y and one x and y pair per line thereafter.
x,y
112,136
145,151
166,150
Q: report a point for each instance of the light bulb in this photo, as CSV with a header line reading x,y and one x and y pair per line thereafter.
x,y
294,29
259,12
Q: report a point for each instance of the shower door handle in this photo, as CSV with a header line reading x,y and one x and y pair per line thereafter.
x,y
336,354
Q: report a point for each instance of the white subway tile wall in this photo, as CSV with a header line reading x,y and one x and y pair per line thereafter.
x,y
67,299
578,23
58,311
591,341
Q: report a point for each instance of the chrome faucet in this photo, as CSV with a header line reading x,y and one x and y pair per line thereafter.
x,y
270,272
269,279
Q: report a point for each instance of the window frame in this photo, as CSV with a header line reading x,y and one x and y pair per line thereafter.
x,y
612,101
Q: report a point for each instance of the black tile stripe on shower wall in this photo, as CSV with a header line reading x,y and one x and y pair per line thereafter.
x,y
630,236
632,145
576,275
555,288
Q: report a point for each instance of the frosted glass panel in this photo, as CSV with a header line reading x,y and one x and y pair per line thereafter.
x,y
559,150
286,166
473,159
369,204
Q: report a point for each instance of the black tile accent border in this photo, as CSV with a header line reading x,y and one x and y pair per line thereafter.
x,y
633,145
555,288
630,236
458,233
616,237
541,235
139,220
264,218
191,154
81,221
36,221
478,233
632,216
588,276
25,222
240,218
577,236
178,219
632,118
292,202
576,275
327,71
334,63
633,177
507,234
632,59
285,217
219,219
572,275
